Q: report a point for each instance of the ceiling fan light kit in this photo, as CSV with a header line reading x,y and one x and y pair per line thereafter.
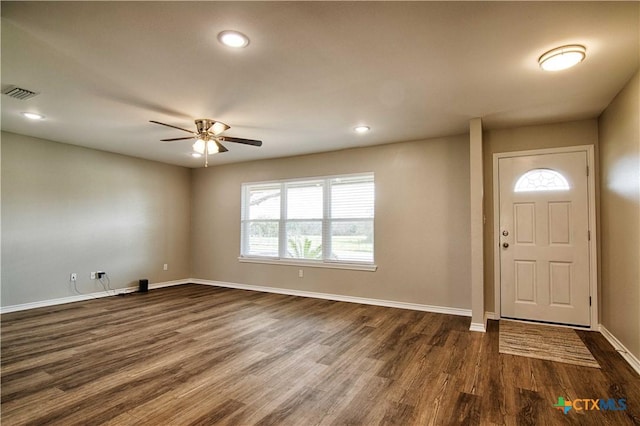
x,y
207,137
200,146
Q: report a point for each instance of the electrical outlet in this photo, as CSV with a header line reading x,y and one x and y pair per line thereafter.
x,y
300,273
74,277
93,275
165,267
100,274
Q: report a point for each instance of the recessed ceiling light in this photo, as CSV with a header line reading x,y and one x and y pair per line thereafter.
x,y
362,129
233,39
562,58
33,115
196,155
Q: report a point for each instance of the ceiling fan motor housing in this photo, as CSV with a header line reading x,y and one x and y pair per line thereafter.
x,y
203,124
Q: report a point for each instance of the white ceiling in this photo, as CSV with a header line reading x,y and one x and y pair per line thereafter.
x,y
313,70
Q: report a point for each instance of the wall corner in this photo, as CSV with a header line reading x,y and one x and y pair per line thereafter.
x,y
476,191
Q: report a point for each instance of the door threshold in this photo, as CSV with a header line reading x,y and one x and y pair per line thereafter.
x,y
549,323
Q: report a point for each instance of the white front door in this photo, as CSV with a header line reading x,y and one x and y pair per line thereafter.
x,y
544,238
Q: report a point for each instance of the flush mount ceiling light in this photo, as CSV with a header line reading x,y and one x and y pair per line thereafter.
x,y
233,39
33,116
361,129
562,58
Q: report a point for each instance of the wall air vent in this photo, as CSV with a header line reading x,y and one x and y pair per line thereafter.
x,y
19,93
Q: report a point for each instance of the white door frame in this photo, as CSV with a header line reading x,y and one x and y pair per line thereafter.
x,y
591,205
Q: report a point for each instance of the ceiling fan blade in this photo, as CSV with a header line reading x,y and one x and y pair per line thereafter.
x,y
241,140
218,127
169,125
177,139
221,148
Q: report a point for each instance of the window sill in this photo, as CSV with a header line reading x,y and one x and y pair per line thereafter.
x,y
330,265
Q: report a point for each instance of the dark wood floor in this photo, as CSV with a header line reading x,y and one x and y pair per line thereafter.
x,y
203,355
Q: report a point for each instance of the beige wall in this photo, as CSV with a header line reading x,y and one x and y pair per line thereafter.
x,y
70,209
522,139
421,225
620,216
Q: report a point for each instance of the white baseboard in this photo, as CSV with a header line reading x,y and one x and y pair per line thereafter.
x,y
482,327
169,283
338,297
277,290
621,349
478,326
491,316
51,302
82,297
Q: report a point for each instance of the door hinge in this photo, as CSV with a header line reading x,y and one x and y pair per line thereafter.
x,y
587,170
589,300
588,235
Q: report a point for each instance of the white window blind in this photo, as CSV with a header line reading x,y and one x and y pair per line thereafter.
x,y
327,220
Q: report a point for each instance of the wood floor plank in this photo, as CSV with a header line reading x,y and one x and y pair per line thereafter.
x,y
201,355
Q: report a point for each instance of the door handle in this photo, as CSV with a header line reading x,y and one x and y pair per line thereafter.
x,y
505,245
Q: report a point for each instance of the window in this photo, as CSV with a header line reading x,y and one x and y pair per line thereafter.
x,y
541,180
326,221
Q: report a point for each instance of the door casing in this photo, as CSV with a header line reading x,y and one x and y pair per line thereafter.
x,y
591,203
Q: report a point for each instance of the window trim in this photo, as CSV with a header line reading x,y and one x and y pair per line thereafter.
x,y
371,267
322,263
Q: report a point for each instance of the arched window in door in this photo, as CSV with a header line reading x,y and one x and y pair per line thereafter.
x,y
541,180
